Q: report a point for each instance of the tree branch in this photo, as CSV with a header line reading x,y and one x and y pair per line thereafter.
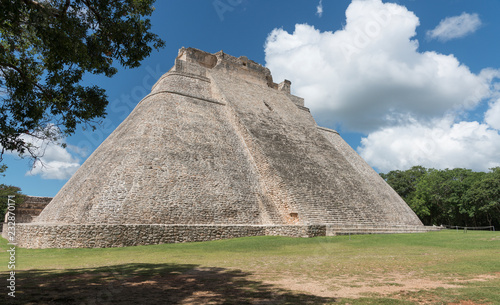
x,y
94,11
65,7
34,3
24,76
55,12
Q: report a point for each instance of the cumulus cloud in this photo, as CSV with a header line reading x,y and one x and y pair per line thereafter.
x,y
455,27
370,73
55,162
54,169
370,77
492,116
443,144
319,8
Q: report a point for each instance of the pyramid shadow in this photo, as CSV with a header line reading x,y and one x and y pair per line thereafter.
x,y
151,284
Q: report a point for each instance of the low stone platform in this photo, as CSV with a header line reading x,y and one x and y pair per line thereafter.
x,y
33,235
333,230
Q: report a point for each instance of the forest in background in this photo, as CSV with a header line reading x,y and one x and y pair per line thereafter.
x,y
452,197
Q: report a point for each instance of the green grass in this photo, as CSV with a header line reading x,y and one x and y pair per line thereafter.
x,y
239,271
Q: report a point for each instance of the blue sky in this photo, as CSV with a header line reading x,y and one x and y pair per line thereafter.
x,y
404,82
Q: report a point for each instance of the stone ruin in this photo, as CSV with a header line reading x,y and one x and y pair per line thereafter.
x,y
26,209
30,208
218,150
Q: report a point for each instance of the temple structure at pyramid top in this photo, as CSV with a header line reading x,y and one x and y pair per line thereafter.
x,y
218,150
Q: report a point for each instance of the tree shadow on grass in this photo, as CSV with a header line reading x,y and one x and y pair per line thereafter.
x,y
150,284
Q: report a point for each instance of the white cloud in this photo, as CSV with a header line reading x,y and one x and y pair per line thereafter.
x,y
371,70
455,27
492,116
80,151
370,77
54,169
55,162
441,145
319,8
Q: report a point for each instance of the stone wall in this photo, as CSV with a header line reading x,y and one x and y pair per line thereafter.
x,y
100,236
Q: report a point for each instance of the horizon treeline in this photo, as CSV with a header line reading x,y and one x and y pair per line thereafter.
x,y
452,197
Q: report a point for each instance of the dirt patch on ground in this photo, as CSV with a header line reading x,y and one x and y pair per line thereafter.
x,y
356,287
191,284
466,303
152,284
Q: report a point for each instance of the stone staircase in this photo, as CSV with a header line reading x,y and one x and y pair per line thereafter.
x,y
31,208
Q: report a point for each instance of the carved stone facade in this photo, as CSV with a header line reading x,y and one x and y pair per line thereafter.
x,y
217,146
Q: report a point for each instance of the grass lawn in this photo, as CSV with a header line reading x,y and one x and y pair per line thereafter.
x,y
447,267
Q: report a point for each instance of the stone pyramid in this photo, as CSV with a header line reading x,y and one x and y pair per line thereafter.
x,y
218,150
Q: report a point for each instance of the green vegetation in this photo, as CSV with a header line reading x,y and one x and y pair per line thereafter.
x,y
47,47
456,197
5,191
281,270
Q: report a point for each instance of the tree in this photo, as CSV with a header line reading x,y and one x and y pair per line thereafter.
x,y
443,193
46,47
451,196
484,196
5,192
405,184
